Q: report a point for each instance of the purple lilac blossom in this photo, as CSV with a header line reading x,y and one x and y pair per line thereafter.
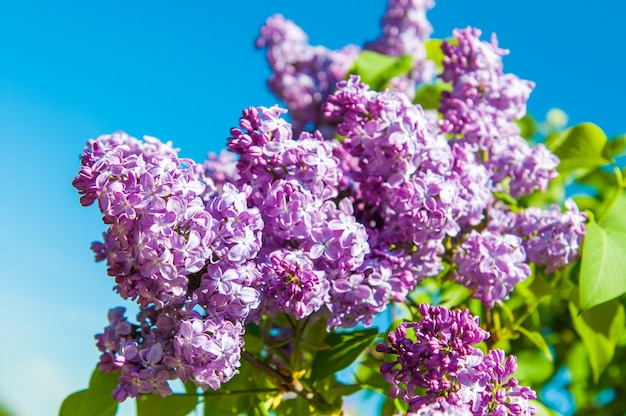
x,y
491,264
303,75
311,237
437,356
167,344
410,187
160,230
482,108
177,246
551,238
405,28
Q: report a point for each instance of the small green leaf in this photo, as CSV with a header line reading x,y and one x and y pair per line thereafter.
x,y
429,96
603,268
579,147
533,367
600,328
600,179
539,341
344,349
73,403
453,294
175,405
617,146
96,400
528,126
376,69
434,51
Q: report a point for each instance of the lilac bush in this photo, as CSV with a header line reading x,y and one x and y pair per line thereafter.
x,y
326,214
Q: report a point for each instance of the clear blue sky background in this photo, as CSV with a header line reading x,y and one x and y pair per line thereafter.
x,y
183,71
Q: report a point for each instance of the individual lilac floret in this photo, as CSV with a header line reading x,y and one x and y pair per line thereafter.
x,y
491,264
552,238
482,108
405,28
437,356
303,75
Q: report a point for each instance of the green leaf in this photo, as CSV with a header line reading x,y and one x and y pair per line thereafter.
x,y
240,395
175,405
580,147
344,349
537,339
533,367
429,96
96,400
600,179
600,328
528,126
453,294
603,268
617,146
73,403
376,69
434,52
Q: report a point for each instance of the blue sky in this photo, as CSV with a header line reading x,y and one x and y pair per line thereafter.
x,y
70,71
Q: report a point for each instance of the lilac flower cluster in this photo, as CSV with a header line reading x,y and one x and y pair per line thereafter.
x,y
303,75
411,187
436,368
172,252
482,108
311,237
491,264
167,344
293,222
551,238
405,29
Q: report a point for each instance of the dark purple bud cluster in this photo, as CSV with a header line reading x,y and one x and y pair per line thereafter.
x,y
438,356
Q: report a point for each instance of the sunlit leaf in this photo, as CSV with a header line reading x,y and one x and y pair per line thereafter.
x,y
603,268
537,339
376,69
429,96
344,349
600,328
175,405
533,367
96,400
580,147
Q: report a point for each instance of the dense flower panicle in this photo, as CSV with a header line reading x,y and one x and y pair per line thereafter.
x,y
311,237
438,355
491,264
482,108
412,189
552,238
177,254
303,75
160,230
167,344
404,167
405,28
